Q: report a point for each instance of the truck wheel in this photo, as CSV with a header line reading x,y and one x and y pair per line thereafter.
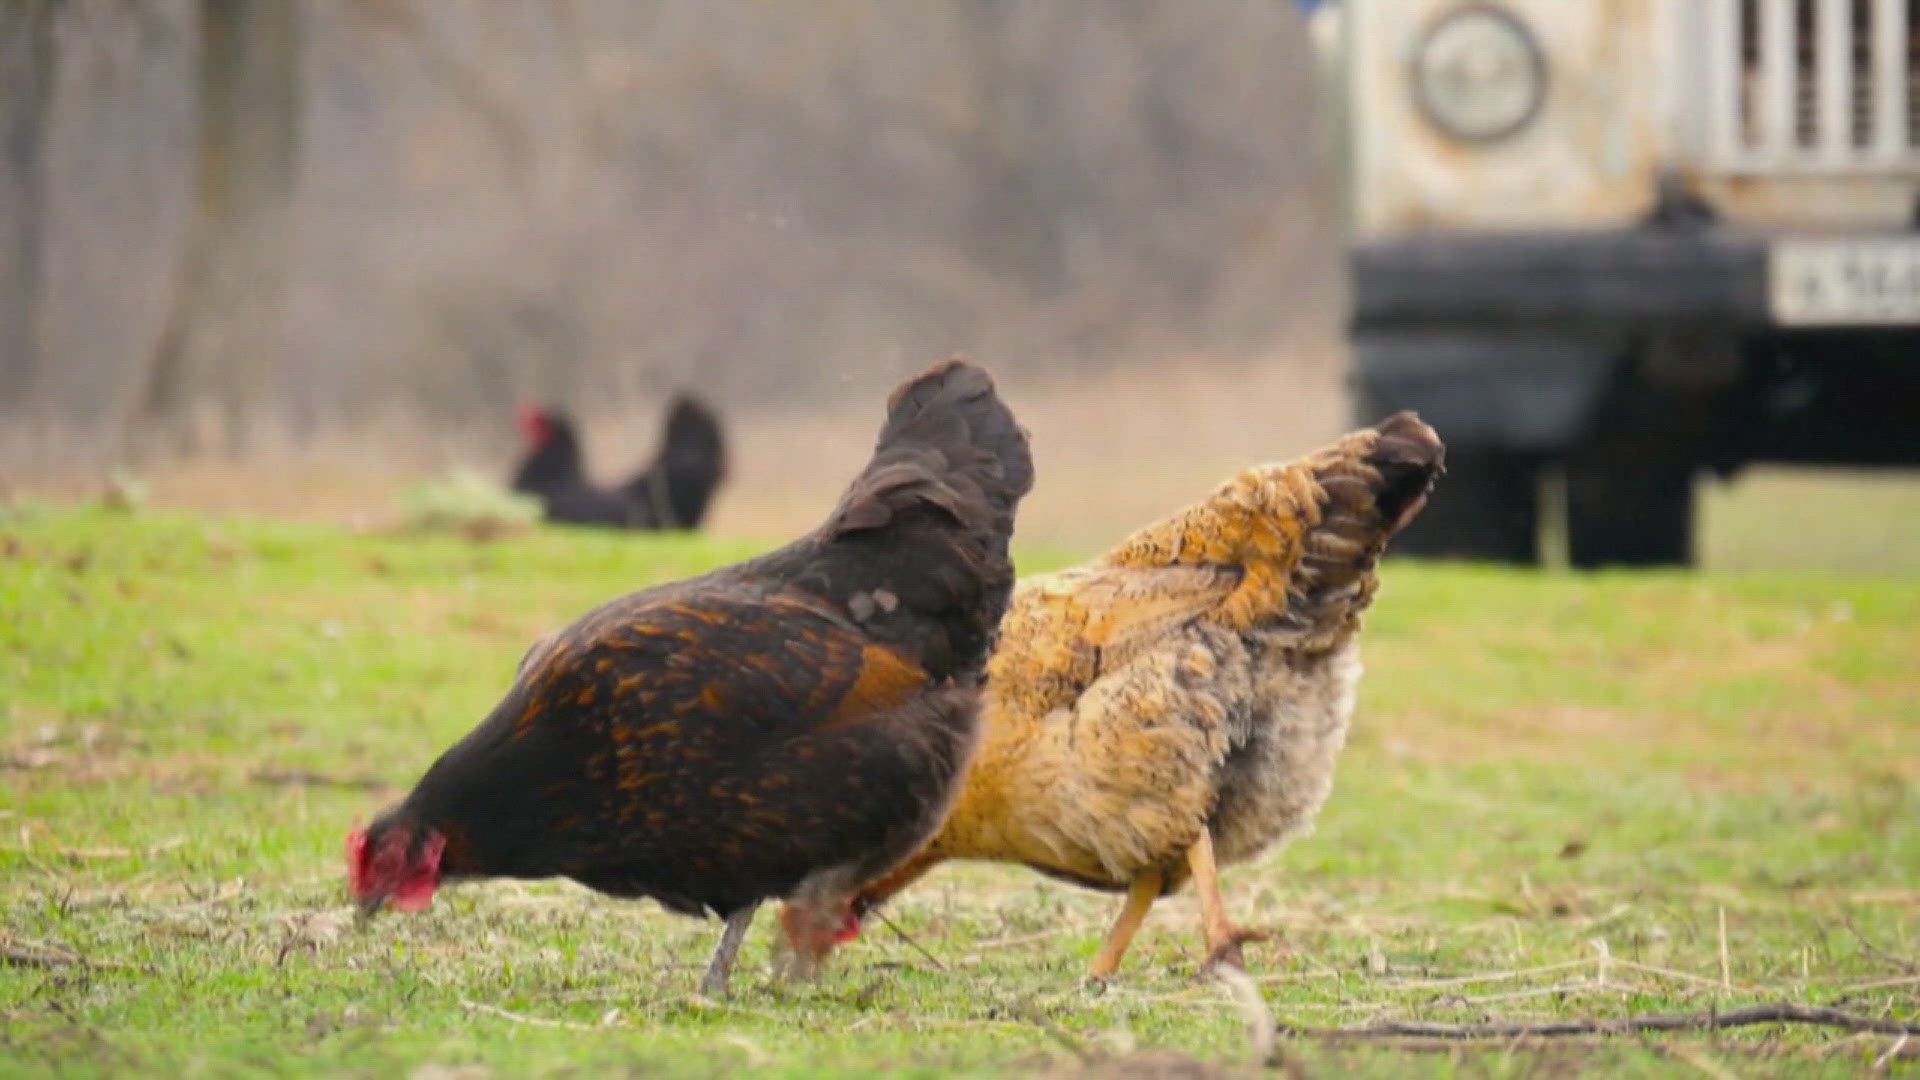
x,y
1487,507
1629,513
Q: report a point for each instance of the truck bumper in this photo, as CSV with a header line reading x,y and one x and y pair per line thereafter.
x,y
1541,342
1574,277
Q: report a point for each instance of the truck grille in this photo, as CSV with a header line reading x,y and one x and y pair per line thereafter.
x,y
1814,85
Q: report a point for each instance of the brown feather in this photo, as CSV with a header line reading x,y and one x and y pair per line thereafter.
x,y
1198,677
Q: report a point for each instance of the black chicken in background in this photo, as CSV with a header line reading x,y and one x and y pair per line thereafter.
x,y
673,492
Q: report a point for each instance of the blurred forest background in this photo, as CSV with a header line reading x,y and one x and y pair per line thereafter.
x,y
252,228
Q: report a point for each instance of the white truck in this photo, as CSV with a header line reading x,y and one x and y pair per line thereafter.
x,y
1614,244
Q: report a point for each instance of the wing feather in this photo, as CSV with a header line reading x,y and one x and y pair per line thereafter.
x,y
1063,630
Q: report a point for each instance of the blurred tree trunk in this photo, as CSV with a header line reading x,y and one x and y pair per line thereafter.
x,y
26,104
224,331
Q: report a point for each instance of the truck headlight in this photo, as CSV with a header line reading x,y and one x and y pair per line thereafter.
x,y
1478,73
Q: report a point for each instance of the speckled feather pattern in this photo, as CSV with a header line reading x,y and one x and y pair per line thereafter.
x,y
1202,674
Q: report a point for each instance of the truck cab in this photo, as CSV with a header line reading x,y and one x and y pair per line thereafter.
x,y
1606,247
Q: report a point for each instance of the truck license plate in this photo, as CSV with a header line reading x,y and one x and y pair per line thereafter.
x,y
1844,282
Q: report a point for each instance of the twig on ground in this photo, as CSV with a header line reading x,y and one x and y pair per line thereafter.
x,y
309,778
1556,990
1670,973
1845,1044
1779,1013
1727,967
20,952
1203,1003
219,894
1610,961
1023,939
1880,984
1305,975
59,852
1892,1051
1073,1043
1485,977
916,1020
1905,966
518,1018
902,934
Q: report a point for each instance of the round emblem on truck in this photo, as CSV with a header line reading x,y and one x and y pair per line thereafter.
x,y
1479,74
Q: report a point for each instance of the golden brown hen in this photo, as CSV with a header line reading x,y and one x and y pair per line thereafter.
x,y
790,726
1179,703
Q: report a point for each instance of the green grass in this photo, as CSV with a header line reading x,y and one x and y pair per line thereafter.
x,y
1558,787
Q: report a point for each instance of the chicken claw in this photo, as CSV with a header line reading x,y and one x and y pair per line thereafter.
x,y
1227,953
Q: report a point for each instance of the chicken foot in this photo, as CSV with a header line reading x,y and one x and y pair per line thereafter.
x,y
720,968
1141,894
1222,937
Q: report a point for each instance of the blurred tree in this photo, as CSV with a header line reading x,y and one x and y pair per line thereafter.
x,y
451,205
224,332
27,54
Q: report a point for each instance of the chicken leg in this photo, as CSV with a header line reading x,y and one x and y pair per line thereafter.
x,y
1223,938
720,968
1141,894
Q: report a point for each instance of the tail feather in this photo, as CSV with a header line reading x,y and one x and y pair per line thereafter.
x,y
676,488
1373,483
949,444
1409,457
1304,534
693,432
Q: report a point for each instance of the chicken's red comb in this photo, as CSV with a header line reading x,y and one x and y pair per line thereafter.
x,y
533,423
421,877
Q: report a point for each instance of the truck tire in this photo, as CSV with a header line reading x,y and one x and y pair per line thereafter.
x,y
1486,508
1633,513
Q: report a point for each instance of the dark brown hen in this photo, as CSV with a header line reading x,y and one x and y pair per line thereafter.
x,y
792,726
